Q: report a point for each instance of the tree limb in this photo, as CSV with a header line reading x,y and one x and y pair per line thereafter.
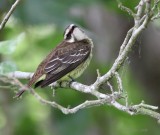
x,y
141,108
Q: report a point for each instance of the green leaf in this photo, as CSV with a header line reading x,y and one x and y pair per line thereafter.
x,y
6,67
9,46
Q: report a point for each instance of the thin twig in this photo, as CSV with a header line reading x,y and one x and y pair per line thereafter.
x,y
3,23
129,33
110,86
119,82
128,10
157,16
156,2
98,73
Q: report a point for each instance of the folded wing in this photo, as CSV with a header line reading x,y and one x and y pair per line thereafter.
x,y
66,59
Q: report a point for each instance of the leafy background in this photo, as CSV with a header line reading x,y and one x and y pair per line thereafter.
x,y
36,27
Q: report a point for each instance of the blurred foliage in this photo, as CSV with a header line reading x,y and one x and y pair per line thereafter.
x,y
29,35
33,13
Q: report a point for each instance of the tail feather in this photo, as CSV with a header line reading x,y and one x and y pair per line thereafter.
x,y
19,93
38,84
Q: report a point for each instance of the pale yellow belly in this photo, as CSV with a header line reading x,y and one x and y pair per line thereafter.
x,y
78,71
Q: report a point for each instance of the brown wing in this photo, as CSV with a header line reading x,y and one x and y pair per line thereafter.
x,y
65,60
40,69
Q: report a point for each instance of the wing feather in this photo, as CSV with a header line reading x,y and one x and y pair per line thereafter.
x,y
54,65
65,62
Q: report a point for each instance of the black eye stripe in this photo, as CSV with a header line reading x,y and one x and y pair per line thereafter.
x,y
73,27
68,36
71,31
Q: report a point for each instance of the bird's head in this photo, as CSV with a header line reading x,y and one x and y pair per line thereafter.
x,y
73,33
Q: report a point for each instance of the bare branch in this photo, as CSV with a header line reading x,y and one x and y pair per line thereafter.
x,y
129,33
102,99
3,23
137,29
156,16
20,75
139,8
142,104
148,112
155,6
74,85
110,86
98,73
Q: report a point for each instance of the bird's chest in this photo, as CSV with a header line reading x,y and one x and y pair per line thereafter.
x,y
80,69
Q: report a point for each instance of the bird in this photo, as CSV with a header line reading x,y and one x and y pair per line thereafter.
x,y
66,62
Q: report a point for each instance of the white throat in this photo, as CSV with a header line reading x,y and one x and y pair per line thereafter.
x,y
71,40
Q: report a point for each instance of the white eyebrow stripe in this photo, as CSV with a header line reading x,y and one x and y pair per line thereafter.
x,y
66,32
